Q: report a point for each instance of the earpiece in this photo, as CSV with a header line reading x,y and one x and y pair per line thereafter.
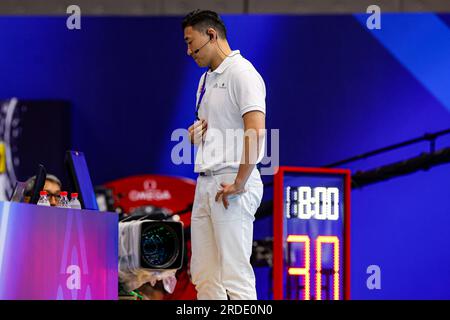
x,y
210,32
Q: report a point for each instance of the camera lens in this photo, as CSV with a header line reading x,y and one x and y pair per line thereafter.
x,y
159,245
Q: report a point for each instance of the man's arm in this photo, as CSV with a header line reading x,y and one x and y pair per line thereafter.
x,y
254,125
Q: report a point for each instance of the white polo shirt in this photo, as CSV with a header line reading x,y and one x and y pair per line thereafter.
x,y
232,89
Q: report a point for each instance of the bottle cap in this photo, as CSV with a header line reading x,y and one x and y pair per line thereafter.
x,y
43,193
74,195
63,194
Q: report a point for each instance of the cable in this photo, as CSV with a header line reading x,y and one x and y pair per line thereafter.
x,y
226,56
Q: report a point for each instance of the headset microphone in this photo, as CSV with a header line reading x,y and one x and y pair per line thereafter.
x,y
197,50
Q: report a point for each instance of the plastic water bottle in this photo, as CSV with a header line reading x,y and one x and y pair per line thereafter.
x,y
74,202
63,201
43,199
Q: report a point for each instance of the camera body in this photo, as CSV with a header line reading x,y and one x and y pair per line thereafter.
x,y
151,248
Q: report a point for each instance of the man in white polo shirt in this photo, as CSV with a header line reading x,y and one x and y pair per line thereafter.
x,y
230,102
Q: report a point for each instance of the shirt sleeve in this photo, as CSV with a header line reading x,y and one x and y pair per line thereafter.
x,y
248,91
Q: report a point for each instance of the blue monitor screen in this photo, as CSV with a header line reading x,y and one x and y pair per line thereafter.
x,y
82,179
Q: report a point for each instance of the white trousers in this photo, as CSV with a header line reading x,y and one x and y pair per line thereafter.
x,y
222,239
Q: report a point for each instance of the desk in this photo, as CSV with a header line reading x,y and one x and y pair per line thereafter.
x,y
49,253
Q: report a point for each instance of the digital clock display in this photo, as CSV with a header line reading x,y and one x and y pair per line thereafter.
x,y
311,234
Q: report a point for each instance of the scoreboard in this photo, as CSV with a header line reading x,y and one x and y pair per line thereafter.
x,y
311,257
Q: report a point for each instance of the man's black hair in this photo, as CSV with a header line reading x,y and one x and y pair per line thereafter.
x,y
201,20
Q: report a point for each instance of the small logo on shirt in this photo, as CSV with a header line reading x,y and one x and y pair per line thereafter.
x,y
220,85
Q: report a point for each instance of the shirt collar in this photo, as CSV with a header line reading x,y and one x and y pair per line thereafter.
x,y
226,62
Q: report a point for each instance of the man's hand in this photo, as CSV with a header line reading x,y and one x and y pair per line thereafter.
x,y
197,130
228,190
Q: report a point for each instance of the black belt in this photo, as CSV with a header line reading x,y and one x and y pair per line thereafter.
x,y
213,173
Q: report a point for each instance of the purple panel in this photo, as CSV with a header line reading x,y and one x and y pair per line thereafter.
x,y
53,253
